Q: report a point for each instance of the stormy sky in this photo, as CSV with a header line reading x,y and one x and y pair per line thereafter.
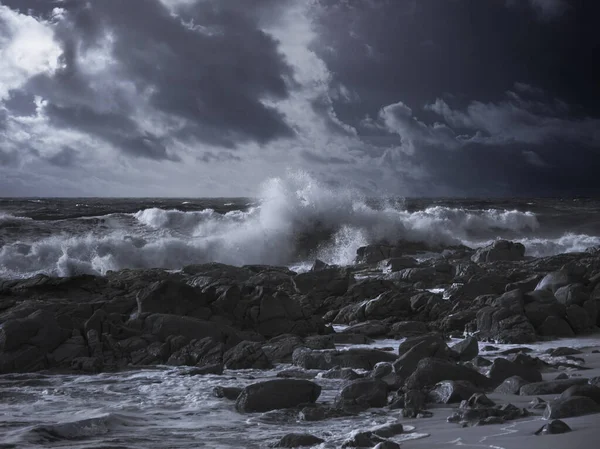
x,y
213,97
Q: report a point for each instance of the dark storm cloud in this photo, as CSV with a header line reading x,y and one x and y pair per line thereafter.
x,y
67,157
210,66
222,156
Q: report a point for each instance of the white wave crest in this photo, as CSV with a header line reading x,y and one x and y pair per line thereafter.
x,y
296,214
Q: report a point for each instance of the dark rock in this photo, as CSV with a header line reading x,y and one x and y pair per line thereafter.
x,y
276,394
555,327
538,404
368,328
388,304
570,407
537,312
467,349
511,385
173,297
561,278
400,263
479,400
573,294
578,318
362,394
481,362
549,387
586,390
230,393
296,374
319,265
414,400
553,427
203,352
388,430
449,392
317,412
341,373
505,324
562,352
434,346
323,283
246,355
362,439
503,369
387,445
357,358
561,376
499,250
351,339
430,371
281,348
299,440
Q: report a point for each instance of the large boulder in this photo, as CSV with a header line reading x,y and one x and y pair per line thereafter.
x,y
550,386
430,371
570,407
589,391
323,283
449,392
561,278
277,394
357,358
573,294
246,355
555,327
467,349
363,394
511,385
502,369
499,250
292,440
386,305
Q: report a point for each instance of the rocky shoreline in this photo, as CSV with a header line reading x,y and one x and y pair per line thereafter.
x,y
215,318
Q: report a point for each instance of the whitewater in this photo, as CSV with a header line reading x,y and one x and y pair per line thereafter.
x,y
295,220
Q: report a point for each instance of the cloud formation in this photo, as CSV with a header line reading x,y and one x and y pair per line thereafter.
x,y
211,97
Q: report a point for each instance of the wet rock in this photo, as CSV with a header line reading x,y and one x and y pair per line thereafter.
x,y
553,427
173,297
555,327
586,390
369,328
538,404
505,324
414,402
561,278
481,362
561,376
362,394
203,352
449,392
388,304
296,374
467,349
323,283
341,373
578,319
430,371
362,439
549,387
292,440
562,352
388,430
434,345
281,348
573,294
276,394
387,445
503,369
570,407
230,393
511,385
246,355
215,369
318,412
479,400
357,358
351,339
499,250
400,263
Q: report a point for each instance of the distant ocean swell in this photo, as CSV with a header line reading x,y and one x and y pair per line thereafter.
x,y
296,220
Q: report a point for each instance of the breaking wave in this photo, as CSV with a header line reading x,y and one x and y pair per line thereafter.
x,y
297,218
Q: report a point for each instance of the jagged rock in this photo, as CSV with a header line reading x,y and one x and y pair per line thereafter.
x,y
449,392
511,385
323,283
578,318
589,391
550,387
555,327
499,250
502,369
573,294
246,355
386,305
276,394
341,373
173,297
400,263
362,394
570,407
230,393
553,427
405,329
280,349
298,440
467,349
368,328
357,358
561,278
430,371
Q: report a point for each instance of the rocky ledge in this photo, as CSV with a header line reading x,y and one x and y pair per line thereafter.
x,y
214,317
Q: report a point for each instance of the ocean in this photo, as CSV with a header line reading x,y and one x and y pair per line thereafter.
x,y
292,223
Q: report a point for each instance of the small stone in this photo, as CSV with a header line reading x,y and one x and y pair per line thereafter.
x,y
553,427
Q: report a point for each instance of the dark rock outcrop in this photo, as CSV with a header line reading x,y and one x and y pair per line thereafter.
x,y
277,394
